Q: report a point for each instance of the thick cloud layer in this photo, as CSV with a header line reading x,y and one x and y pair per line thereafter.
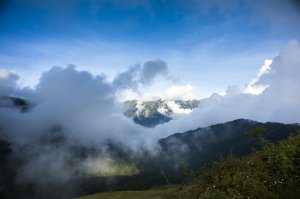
x,y
82,104
181,92
72,107
87,108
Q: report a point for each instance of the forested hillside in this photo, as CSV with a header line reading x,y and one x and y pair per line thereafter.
x,y
272,172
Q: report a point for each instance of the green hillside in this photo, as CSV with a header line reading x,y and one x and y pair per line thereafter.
x,y
272,172
128,172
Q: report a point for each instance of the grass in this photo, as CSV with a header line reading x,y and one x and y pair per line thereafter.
x,y
118,168
147,194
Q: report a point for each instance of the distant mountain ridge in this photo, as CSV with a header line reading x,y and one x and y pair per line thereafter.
x,y
196,148
203,145
14,102
152,113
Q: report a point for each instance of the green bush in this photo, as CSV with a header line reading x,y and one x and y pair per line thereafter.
x,y
272,172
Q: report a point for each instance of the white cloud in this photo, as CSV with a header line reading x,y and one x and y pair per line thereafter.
x,y
182,92
253,87
171,93
279,102
83,95
176,108
85,106
8,80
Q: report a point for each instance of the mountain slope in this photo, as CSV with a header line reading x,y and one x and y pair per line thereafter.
x,y
200,146
272,172
197,148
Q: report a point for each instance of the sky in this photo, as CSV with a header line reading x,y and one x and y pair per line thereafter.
x,y
75,61
206,44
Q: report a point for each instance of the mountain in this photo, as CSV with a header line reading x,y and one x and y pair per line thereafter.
x,y
14,102
271,172
188,104
7,168
196,148
152,113
203,145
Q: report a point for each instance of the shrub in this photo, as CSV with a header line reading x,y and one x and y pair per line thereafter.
x,y
272,172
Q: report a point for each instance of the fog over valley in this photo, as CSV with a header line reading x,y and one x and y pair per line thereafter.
x,y
159,98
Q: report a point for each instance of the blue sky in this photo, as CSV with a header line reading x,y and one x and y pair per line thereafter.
x,y
209,44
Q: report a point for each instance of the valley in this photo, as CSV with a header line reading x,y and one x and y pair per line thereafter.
x,y
114,167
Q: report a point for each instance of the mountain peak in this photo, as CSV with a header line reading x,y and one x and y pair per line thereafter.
x,y
152,113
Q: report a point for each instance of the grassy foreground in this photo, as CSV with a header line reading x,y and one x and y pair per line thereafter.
x,y
147,194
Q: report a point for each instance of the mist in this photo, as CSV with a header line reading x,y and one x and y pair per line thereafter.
x,y
73,116
274,96
71,108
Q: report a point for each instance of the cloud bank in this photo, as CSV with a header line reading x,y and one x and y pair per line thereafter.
x,y
72,112
273,95
181,92
72,107
87,106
